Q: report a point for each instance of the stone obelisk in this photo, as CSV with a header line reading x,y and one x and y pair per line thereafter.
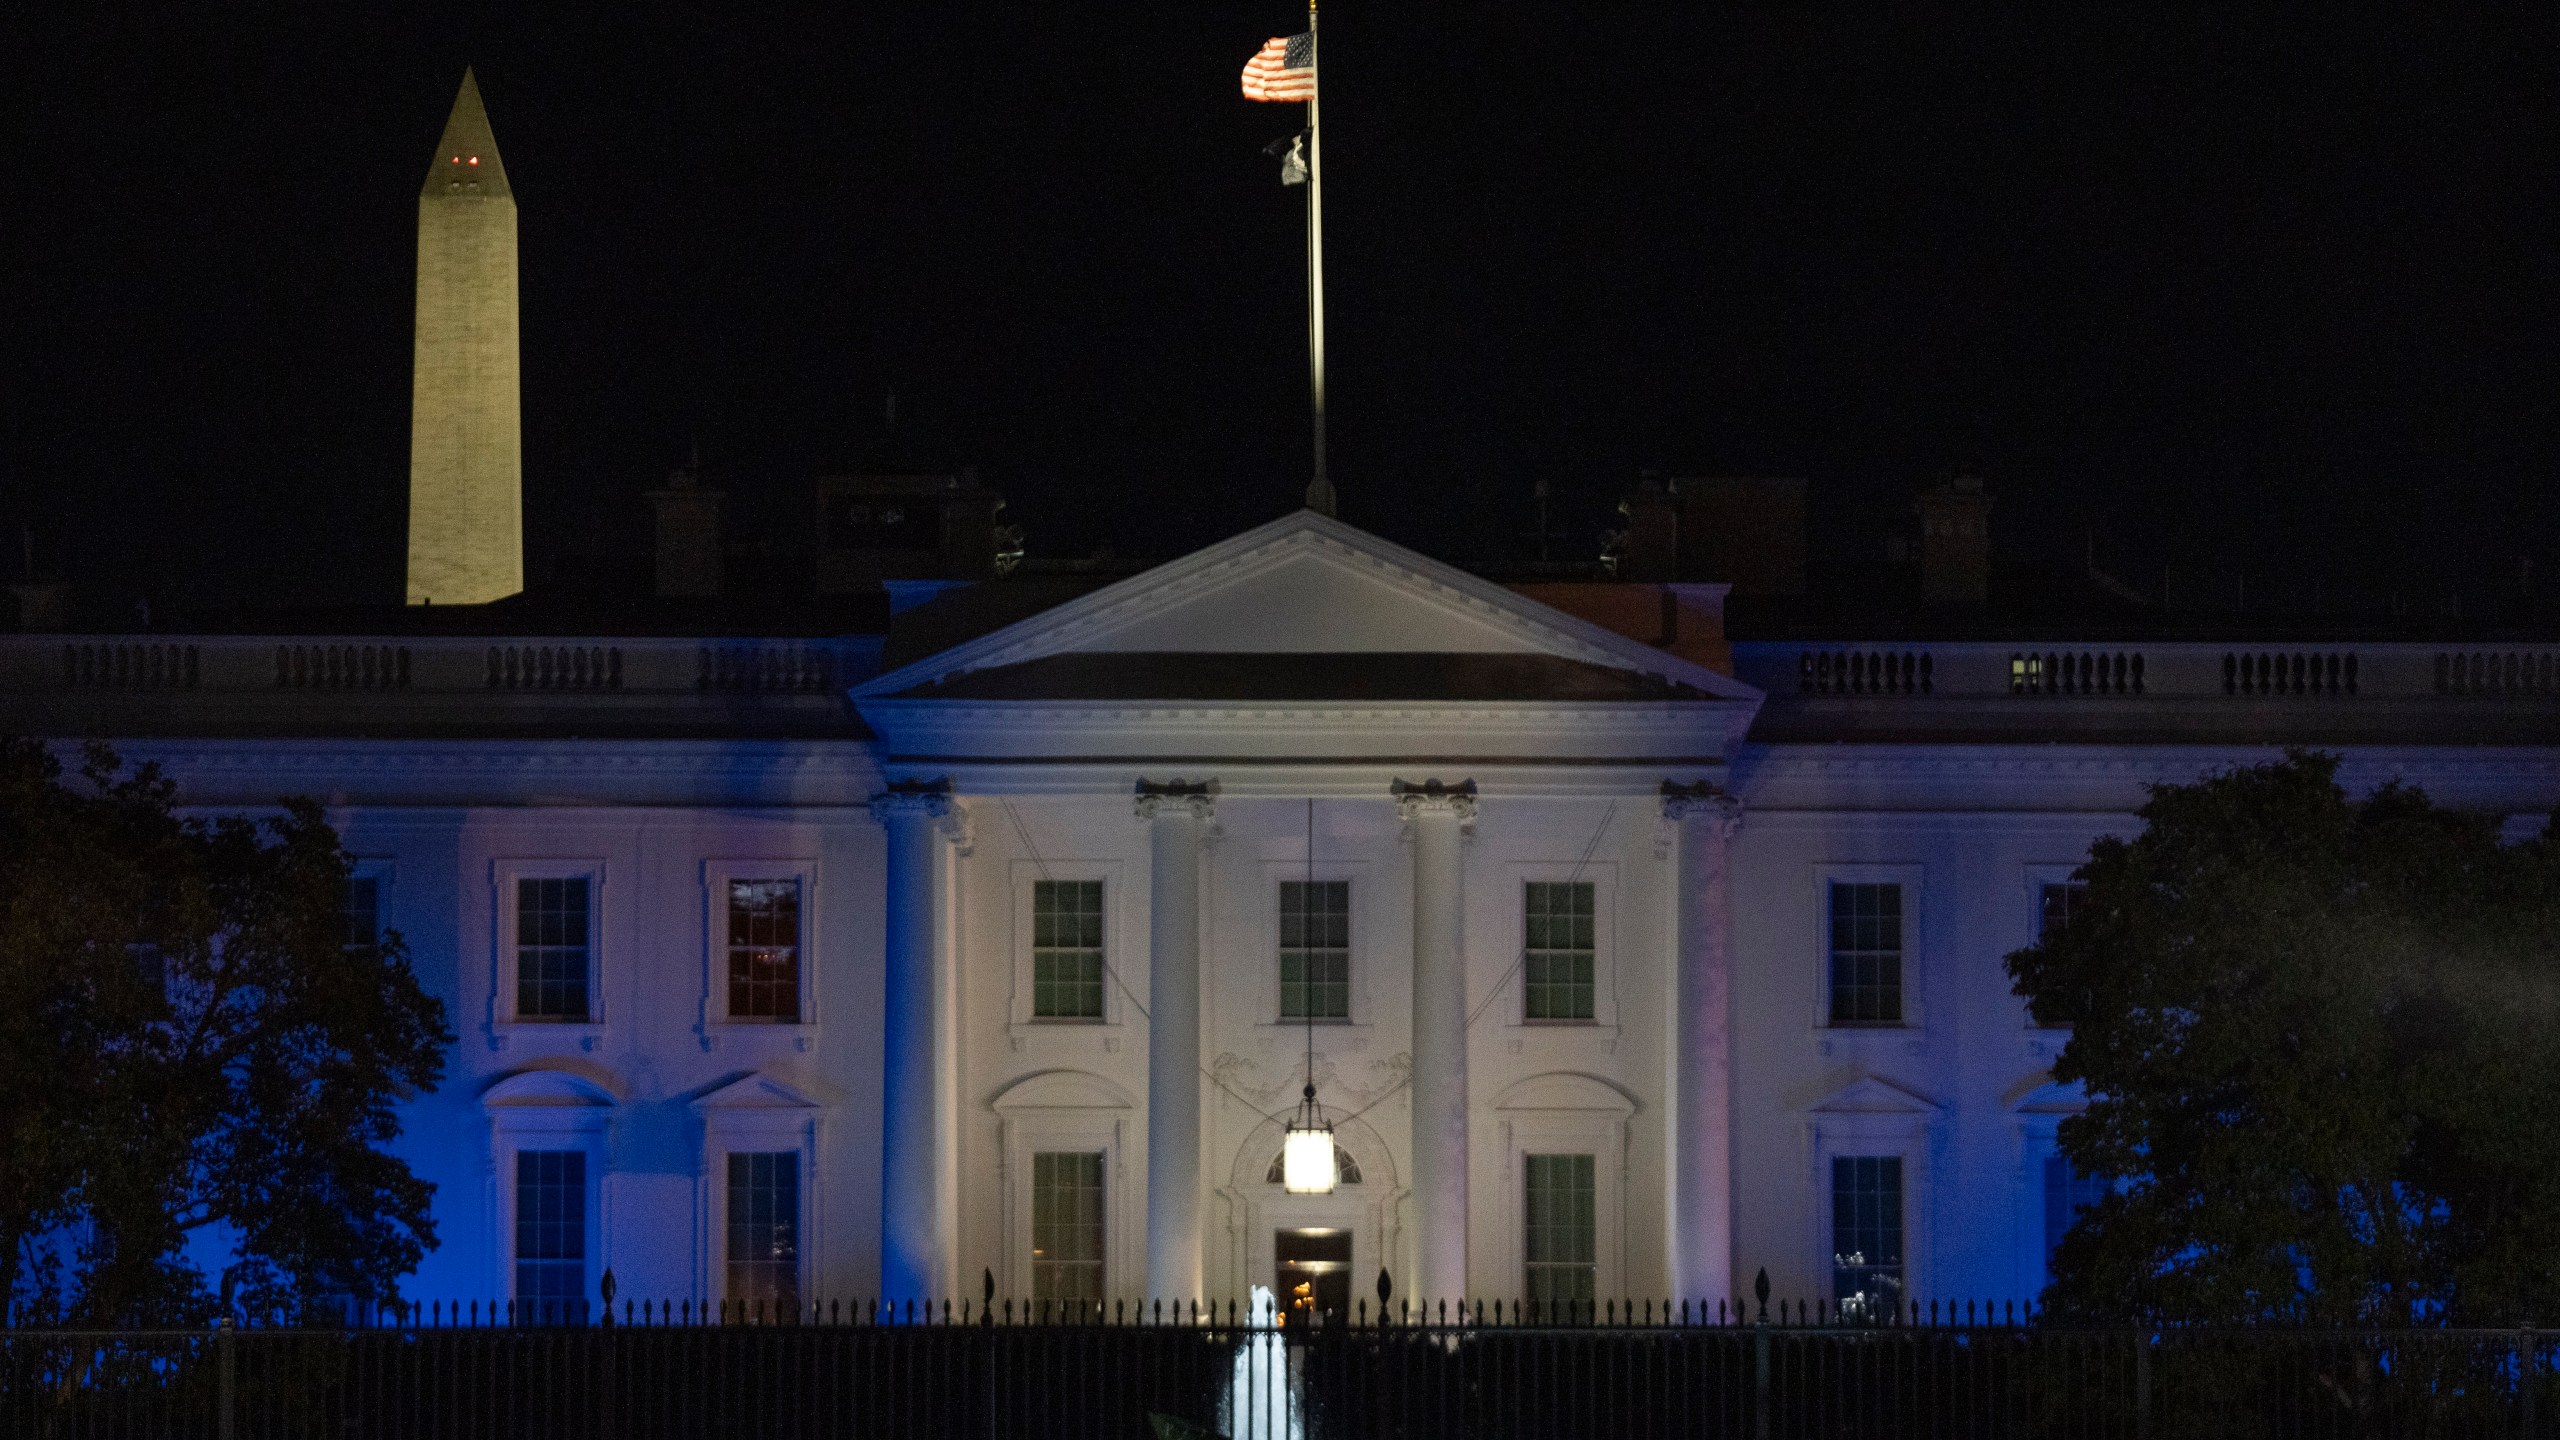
x,y
466,453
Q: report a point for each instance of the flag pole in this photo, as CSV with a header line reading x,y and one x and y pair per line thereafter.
x,y
1319,490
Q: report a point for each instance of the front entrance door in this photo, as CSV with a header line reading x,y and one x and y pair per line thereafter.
x,y
1313,1268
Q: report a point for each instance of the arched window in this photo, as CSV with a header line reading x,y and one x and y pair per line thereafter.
x,y
1348,1169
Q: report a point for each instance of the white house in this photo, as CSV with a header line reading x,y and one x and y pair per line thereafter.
x,y
784,972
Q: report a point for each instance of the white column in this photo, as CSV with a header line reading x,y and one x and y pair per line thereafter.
x,y
1177,817
1702,1046
917,1194
1436,816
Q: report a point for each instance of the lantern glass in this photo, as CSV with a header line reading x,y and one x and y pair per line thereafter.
x,y
1306,1161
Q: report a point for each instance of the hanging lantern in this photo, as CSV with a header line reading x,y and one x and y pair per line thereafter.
x,y
1306,1151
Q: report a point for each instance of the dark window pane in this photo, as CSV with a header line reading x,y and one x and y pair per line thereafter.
x,y
1560,1239
2067,1192
1066,949
1315,950
2056,904
551,948
551,1235
764,1230
1067,1233
1866,954
1559,964
361,904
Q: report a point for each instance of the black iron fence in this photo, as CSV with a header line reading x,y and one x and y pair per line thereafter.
x,y
1479,1370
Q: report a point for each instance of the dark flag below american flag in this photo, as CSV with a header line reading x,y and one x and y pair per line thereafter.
x,y
1282,70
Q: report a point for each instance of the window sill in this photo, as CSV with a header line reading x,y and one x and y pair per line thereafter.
x,y
588,1034
802,1034
1605,1032
1858,1038
1108,1031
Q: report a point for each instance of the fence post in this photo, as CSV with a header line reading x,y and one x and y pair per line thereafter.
x,y
2141,1384
223,1380
2526,1360
1760,1358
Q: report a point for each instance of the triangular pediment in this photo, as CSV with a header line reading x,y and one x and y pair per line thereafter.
x,y
2045,1095
1868,1095
1310,586
755,1092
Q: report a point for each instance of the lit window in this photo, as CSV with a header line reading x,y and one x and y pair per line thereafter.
x,y
551,949
551,1235
1866,1234
1557,968
1560,1237
1066,1226
1866,954
764,1230
1066,949
764,949
1315,950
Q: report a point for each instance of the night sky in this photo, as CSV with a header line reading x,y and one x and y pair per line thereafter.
x,y
2235,284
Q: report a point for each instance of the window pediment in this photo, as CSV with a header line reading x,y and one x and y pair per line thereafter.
x,y
547,1089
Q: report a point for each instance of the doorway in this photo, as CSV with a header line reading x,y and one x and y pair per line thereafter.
x,y
1313,1268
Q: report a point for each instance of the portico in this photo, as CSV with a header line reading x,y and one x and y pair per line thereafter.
x,y
1519,908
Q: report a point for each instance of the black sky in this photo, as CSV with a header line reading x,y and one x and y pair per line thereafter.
x,y
2258,285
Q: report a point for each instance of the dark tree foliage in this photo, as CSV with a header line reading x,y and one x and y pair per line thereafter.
x,y
2321,1043
187,1040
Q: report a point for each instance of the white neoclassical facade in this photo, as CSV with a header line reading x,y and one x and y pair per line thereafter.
x,y
781,971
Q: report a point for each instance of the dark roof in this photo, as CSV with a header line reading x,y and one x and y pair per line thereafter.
x,y
1285,676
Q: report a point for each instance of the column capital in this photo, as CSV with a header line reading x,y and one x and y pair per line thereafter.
x,y
930,799
1704,800
1432,797
1198,798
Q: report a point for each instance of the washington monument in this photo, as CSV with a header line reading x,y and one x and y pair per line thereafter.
x,y
466,453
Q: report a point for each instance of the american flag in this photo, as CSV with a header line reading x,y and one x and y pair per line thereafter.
x,y
1283,70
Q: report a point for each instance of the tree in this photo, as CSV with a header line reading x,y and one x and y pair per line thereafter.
x,y
189,1040
2319,1044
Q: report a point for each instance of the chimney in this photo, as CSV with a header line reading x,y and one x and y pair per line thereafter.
x,y
1955,545
1651,549
43,605
1747,531
688,537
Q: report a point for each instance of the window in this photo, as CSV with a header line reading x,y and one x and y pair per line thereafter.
x,y
551,1234
764,949
764,1230
551,948
1866,953
1866,1234
2056,903
1315,949
1066,1225
1561,944
2067,1192
1066,950
361,903
1560,1238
